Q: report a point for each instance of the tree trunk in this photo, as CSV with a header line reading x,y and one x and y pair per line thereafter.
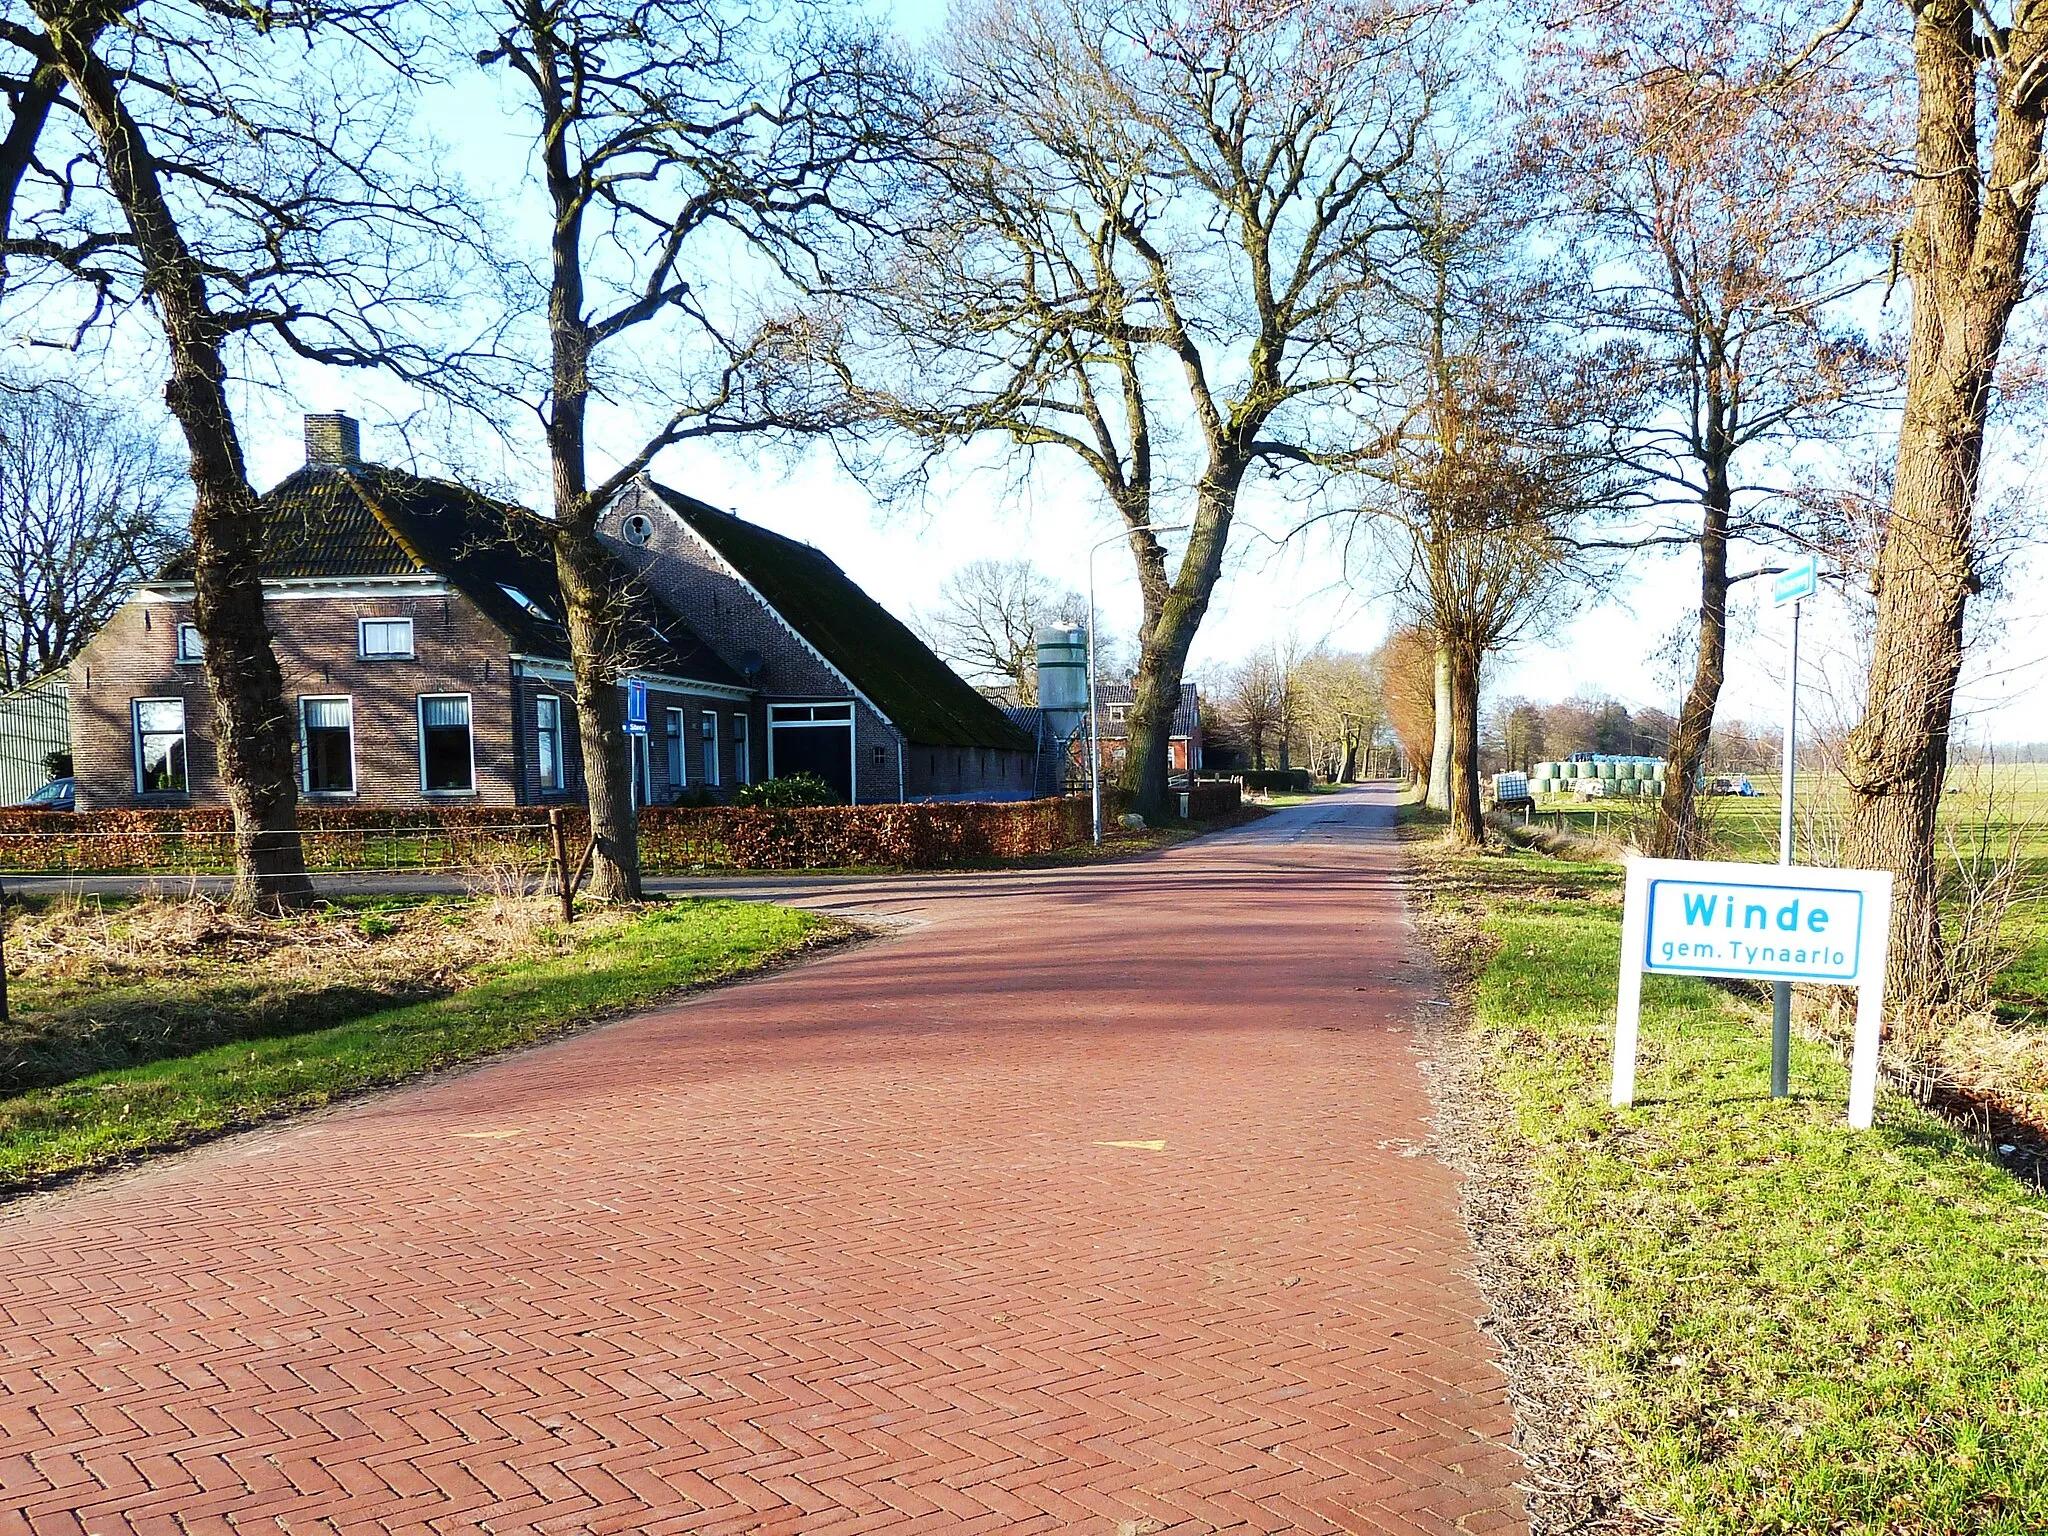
x,y
1173,615
1677,833
583,568
1468,828
1965,256
252,726
1437,783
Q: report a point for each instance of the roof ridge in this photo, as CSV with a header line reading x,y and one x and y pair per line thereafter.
x,y
388,523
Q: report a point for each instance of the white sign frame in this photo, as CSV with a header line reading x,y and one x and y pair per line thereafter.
x,y
1732,951
1796,583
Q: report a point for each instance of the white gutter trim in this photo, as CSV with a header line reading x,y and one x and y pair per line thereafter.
x,y
297,588
553,669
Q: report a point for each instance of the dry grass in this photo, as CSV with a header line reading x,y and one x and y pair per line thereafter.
x,y
96,984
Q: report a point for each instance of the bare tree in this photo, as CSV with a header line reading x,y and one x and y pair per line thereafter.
x,y
1725,208
1341,704
1254,702
666,135
1142,236
988,617
1978,169
88,507
242,177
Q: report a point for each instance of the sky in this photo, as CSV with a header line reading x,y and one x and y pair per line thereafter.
x,y
1270,592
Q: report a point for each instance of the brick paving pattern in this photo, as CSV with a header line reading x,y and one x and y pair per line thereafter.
x,y
1097,1201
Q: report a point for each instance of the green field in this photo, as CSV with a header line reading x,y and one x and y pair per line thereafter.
x,y
1988,815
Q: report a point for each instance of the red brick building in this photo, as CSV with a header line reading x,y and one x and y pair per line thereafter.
x,y
419,628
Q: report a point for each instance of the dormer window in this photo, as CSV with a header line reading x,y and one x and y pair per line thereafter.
x,y
524,601
191,649
384,639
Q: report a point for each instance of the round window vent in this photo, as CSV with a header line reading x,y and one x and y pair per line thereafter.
x,y
638,529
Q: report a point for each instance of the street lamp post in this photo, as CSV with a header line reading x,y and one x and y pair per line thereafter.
x,y
1094,737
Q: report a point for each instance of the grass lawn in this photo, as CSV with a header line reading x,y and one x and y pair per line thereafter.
x,y
1795,1328
503,978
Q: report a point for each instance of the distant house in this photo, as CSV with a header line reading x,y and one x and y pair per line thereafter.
x,y
421,634
1113,703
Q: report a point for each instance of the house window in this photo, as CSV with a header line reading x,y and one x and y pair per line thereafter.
x,y
447,753
160,747
638,530
384,639
708,725
547,724
191,648
678,777
327,745
742,770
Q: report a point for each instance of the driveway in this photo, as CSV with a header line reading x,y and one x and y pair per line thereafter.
x,y
1093,1200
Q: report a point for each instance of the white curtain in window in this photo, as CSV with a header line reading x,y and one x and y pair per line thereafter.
x,y
443,712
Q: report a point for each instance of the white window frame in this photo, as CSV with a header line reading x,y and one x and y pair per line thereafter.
x,y
784,717
184,740
540,733
197,654
675,747
707,733
740,765
306,758
419,715
364,653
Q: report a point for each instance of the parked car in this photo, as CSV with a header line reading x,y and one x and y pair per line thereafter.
x,y
57,795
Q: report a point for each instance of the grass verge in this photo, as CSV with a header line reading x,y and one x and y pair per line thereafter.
x,y
1793,1328
110,1117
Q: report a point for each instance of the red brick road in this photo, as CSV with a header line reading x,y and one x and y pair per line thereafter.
x,y
850,1248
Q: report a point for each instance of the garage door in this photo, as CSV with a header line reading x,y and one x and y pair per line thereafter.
x,y
813,738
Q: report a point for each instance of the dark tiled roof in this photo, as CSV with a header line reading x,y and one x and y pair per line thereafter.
x,y
926,699
1184,717
363,520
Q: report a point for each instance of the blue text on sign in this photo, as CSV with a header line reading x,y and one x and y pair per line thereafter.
x,y
1711,928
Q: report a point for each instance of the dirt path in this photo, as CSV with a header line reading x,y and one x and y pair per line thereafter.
x,y
1094,1200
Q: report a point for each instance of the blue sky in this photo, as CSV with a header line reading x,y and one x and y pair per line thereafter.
x,y
1271,592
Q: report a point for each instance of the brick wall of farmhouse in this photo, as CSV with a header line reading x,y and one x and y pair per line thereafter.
x,y
733,621
456,650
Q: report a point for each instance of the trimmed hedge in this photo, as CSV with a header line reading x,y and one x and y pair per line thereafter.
x,y
1280,781
1208,801
672,838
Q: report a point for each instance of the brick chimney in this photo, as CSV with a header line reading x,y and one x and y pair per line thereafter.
x,y
333,439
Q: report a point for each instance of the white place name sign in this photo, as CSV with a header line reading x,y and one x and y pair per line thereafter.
x,y
1768,922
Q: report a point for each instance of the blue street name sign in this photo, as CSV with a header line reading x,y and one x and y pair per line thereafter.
x,y
636,707
1796,583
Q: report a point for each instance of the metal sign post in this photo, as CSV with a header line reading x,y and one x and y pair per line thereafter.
x,y
1794,585
1685,917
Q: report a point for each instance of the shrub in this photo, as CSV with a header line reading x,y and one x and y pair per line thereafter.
x,y
673,839
786,794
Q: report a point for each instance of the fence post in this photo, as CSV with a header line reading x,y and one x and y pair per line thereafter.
x,y
561,842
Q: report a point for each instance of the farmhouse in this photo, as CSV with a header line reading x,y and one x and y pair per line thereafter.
x,y
420,630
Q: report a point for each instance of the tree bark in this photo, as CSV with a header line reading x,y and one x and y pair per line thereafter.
x,y
583,567
253,728
1677,833
1173,614
1468,827
1965,256
1436,782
